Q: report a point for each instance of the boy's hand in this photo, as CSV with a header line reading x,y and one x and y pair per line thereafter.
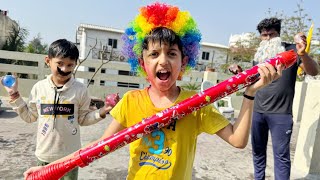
x,y
31,170
111,100
12,89
268,73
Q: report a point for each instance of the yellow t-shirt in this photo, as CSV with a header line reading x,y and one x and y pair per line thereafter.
x,y
167,153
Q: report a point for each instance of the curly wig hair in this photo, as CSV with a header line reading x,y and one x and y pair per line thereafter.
x,y
153,19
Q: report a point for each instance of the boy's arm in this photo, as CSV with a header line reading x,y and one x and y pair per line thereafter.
x,y
113,128
27,113
237,134
86,115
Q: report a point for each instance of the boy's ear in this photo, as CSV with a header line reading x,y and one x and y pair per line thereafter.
x,y
47,60
141,62
185,61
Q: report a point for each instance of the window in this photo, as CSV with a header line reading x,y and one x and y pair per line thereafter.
x,y
102,82
113,43
91,69
103,70
129,85
205,55
123,72
127,73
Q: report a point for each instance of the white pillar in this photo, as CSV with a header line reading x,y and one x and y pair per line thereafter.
x,y
299,101
210,76
306,159
83,44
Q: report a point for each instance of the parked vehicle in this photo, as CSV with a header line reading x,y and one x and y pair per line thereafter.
x,y
1,107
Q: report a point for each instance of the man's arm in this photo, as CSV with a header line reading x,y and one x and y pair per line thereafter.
x,y
308,65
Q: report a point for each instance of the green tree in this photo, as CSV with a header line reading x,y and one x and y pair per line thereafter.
x,y
16,39
300,21
244,49
292,24
36,46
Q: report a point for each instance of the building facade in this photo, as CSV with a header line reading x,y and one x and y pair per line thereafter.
x,y
97,42
5,26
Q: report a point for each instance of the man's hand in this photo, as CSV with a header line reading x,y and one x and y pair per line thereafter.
x,y
235,69
301,43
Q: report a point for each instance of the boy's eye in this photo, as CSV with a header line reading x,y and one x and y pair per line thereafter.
x,y
172,53
153,54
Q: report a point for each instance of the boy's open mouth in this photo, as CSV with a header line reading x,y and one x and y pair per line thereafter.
x,y
163,74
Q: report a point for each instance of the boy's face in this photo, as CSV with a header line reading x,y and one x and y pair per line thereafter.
x,y
163,64
61,68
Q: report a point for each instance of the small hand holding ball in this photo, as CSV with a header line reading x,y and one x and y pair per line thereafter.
x,y
112,99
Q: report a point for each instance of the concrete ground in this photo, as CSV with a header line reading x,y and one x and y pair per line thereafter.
x,y
215,159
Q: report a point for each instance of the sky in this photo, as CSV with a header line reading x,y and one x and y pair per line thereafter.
x,y
216,19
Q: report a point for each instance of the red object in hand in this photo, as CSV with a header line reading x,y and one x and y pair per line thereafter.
x,y
85,156
112,99
58,170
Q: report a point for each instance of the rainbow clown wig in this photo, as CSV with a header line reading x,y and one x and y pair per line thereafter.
x,y
161,15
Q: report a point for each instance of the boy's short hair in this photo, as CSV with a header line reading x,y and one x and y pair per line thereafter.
x,y
163,35
63,48
269,23
148,25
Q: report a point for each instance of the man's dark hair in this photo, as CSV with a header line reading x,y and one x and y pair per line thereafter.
x,y
63,48
163,35
268,24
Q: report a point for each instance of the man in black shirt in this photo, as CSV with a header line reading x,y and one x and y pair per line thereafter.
x,y
273,104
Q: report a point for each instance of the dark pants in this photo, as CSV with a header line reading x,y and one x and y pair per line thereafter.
x,y
72,175
280,126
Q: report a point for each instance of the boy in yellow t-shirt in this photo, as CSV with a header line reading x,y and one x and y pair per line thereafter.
x,y
162,43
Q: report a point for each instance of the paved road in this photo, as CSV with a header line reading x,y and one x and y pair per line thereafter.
x,y
215,159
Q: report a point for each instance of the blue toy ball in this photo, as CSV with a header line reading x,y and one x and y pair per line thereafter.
x,y
8,81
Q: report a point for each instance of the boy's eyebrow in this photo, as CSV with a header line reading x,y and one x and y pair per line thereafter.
x,y
174,48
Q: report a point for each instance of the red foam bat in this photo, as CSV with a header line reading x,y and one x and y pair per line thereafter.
x,y
84,157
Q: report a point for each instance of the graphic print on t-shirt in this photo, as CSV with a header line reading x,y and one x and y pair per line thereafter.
x,y
157,152
61,109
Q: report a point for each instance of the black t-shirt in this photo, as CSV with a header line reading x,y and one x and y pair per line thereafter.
x,y
277,97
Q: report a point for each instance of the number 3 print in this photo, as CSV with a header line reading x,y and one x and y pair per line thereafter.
x,y
159,142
